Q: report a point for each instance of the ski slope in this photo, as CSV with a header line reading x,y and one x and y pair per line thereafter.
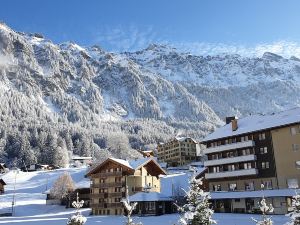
x,y
31,208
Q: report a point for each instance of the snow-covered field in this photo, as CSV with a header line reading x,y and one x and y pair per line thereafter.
x,y
31,208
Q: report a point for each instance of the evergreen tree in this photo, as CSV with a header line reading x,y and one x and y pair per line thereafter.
x,y
265,209
196,211
77,219
295,214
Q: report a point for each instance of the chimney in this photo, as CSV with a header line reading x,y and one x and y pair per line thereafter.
x,y
229,119
234,124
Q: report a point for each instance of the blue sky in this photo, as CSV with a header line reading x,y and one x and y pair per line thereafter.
x,y
121,25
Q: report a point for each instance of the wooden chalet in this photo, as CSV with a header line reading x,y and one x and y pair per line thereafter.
x,y
110,178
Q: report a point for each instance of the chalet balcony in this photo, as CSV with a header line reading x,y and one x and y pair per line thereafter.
x,y
232,146
104,205
106,185
108,195
108,174
230,160
234,173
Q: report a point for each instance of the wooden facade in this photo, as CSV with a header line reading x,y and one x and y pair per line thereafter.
x,y
110,178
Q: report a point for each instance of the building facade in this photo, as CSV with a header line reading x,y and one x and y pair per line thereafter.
x,y
110,179
178,151
256,150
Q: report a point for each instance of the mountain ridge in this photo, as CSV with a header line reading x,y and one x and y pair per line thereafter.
x,y
72,86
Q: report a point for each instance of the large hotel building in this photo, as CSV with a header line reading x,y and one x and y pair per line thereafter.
x,y
246,153
179,151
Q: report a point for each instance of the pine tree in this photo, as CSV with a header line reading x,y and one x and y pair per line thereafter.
x,y
295,214
196,211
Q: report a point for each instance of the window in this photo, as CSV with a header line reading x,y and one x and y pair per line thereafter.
x,y
263,150
262,136
232,187
150,206
244,138
297,164
265,165
296,147
247,166
217,187
216,169
118,179
231,167
267,184
292,183
249,186
246,151
293,130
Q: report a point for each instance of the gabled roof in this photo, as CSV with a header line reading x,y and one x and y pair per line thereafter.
x,y
257,123
2,182
131,165
149,197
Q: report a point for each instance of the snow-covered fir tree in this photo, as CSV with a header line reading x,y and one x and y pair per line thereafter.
x,y
77,219
197,210
265,209
129,209
295,213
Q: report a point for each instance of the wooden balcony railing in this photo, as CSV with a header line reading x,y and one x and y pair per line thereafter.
x,y
107,205
108,174
112,184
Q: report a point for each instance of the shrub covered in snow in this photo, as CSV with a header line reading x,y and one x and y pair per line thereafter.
x,y
295,214
77,220
196,211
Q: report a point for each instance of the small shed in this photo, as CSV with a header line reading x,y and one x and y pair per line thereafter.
x,y
2,184
152,203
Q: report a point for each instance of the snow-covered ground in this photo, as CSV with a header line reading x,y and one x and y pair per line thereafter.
x,y
31,208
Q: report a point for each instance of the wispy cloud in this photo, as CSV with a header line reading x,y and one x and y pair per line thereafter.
x,y
283,48
132,38
122,38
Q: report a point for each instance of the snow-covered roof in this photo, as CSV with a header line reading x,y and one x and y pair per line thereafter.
x,y
149,197
253,194
256,123
185,138
133,164
84,183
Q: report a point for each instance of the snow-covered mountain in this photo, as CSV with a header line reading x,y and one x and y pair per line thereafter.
x,y
68,83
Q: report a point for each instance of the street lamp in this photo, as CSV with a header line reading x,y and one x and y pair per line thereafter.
x,y
15,171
